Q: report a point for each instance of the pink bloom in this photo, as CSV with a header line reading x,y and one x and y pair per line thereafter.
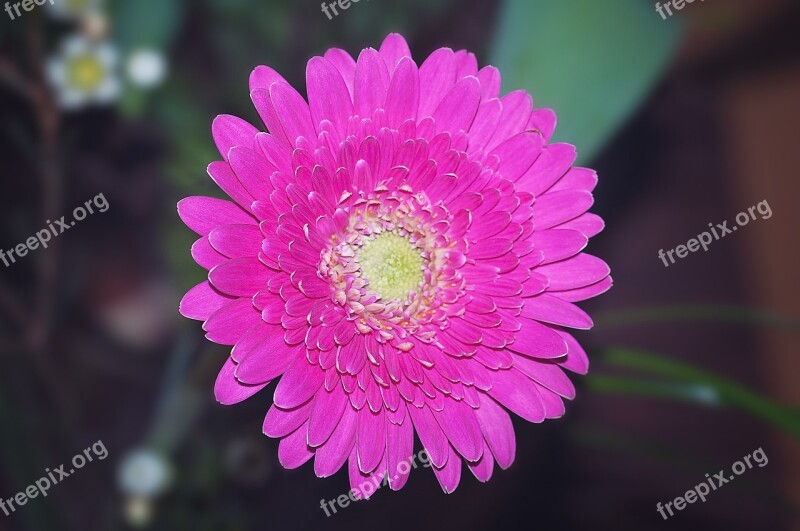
x,y
403,252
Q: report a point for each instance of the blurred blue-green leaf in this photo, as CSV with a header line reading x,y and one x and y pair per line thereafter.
x,y
592,62
146,23
685,382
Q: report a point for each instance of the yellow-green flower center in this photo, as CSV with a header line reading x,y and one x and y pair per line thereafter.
x,y
85,72
391,265
77,5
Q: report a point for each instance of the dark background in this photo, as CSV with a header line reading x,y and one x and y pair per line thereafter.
x,y
688,121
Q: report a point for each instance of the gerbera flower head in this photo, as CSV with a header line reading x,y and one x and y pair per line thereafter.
x,y
403,251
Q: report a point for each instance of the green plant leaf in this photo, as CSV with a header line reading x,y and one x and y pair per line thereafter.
x,y
592,62
686,382
146,23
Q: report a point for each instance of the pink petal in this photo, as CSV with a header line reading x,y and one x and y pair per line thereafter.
x,y
555,208
491,248
544,121
437,75
253,337
371,83
267,360
293,451
430,434
546,373
236,241
576,272
298,385
558,244
576,361
204,214
553,404
275,151
281,422
345,64
538,341
328,96
269,115
519,394
370,439
402,99
450,475
253,170
332,455
518,154
262,77
399,449
482,304
222,174
363,486
205,255
393,49
484,125
459,106
482,470
293,112
230,322
589,224
582,294
466,64
459,424
202,301
576,178
228,390
497,430
241,277
550,309
513,119
553,163
489,77
229,131
328,409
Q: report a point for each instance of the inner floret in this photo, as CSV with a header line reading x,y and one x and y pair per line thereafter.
x,y
391,265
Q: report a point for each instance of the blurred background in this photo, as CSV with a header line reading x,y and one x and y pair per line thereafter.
x,y
688,120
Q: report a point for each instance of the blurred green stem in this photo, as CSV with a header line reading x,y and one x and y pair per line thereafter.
x,y
683,381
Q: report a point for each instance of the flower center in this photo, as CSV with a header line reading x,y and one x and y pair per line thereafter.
x,y
85,72
391,265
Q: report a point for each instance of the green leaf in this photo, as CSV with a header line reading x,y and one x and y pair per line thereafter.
x,y
146,23
592,62
683,381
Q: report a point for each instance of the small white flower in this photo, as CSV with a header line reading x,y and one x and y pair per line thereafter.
x,y
144,473
72,9
84,72
146,67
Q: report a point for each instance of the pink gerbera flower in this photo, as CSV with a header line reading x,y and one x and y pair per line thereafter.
x,y
404,253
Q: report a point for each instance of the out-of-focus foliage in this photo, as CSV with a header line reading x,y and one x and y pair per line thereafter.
x,y
665,378
593,62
